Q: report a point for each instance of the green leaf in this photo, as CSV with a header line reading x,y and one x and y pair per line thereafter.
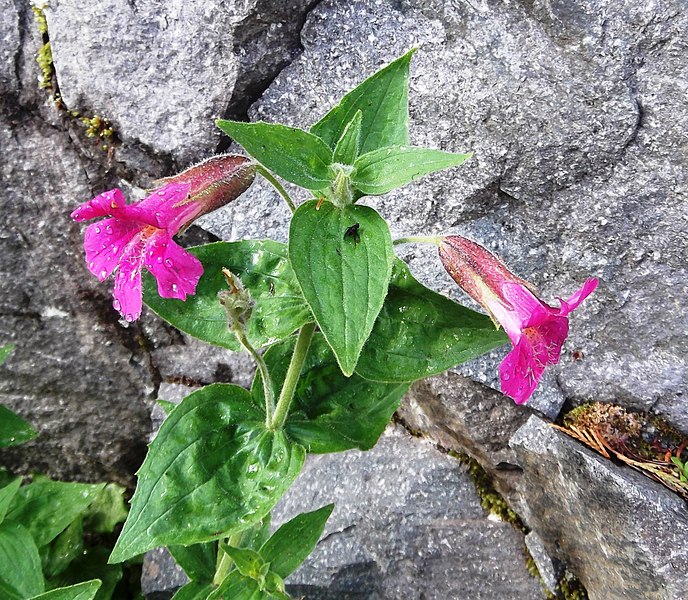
x,y
47,507
20,564
5,351
255,536
291,544
421,333
7,494
247,561
383,102
342,258
81,591
386,169
58,554
263,268
92,564
238,587
197,560
347,149
107,510
13,429
293,154
212,470
194,590
330,412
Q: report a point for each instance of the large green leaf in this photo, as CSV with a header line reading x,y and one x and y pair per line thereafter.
x,y
330,412
291,544
13,429
47,507
386,169
197,560
421,333
20,564
293,154
342,258
383,102
81,591
7,494
264,270
212,470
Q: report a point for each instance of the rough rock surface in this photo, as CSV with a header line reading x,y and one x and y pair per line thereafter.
x,y
624,535
576,114
407,524
162,72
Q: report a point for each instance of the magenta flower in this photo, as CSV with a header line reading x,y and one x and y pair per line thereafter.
x,y
536,330
140,235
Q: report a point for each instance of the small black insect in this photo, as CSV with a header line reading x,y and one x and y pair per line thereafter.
x,y
352,232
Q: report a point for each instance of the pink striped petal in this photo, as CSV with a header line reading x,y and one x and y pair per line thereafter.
x,y
128,292
105,242
176,270
105,205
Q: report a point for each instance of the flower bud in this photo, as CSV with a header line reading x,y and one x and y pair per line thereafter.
x,y
236,300
215,181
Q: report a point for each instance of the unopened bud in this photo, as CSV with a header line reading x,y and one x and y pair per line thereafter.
x,y
216,181
236,300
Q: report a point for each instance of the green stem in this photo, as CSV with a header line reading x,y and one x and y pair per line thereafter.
x,y
268,391
293,373
278,186
224,562
419,239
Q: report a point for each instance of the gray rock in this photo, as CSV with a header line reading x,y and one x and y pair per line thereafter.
x,y
10,43
576,114
407,524
160,575
624,535
550,569
161,73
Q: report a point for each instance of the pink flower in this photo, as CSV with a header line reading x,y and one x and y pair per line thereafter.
x,y
536,330
140,235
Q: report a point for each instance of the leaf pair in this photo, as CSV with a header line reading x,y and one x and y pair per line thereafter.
x,y
368,130
259,567
13,429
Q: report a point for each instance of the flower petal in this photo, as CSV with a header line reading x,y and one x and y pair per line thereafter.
x,y
128,291
105,242
575,301
520,372
176,270
163,208
104,205
525,307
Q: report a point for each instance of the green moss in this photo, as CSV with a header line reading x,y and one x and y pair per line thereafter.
x,y
39,17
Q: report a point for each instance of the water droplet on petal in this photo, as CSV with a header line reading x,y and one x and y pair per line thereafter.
x,y
157,215
114,248
76,215
174,287
108,230
168,262
161,193
116,305
159,259
129,317
97,229
103,273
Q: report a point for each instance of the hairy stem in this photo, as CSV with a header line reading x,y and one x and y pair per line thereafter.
x,y
278,186
293,373
419,239
268,391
